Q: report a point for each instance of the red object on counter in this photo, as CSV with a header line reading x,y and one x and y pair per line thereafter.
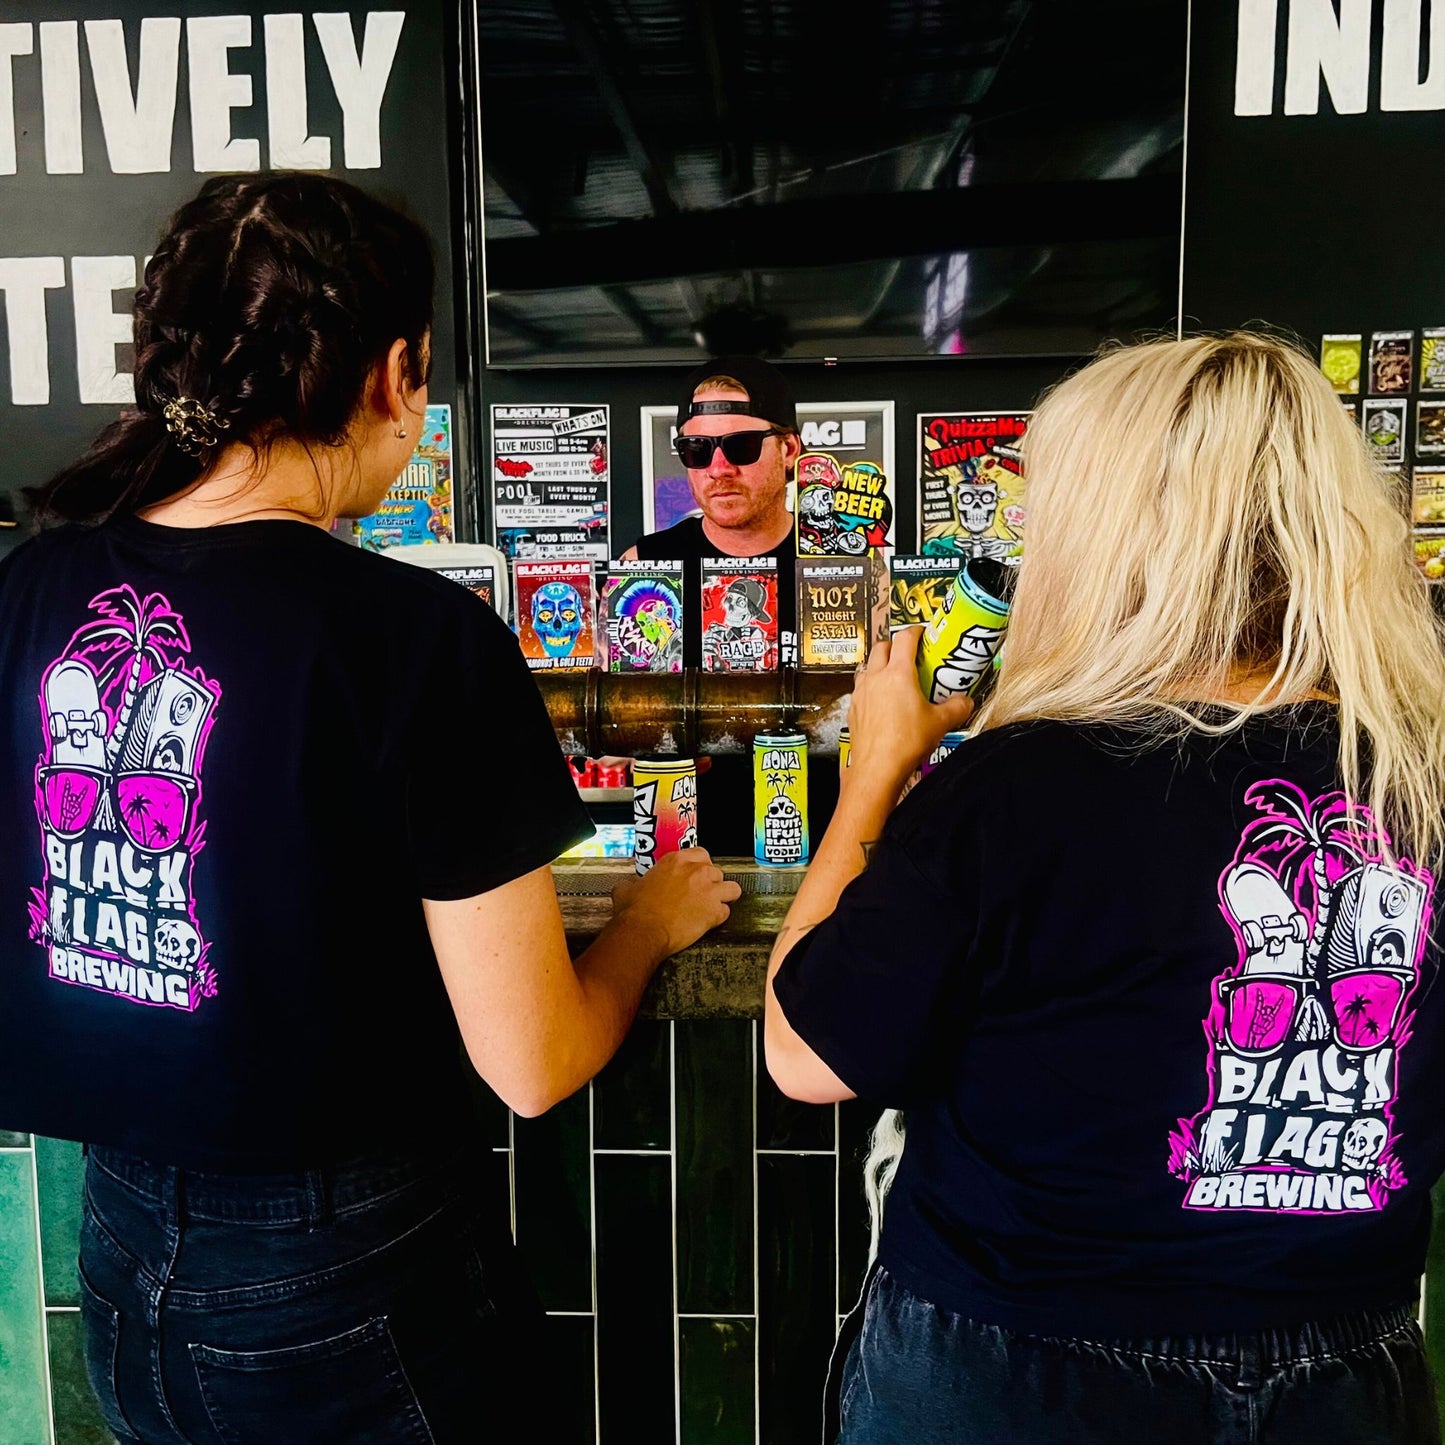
x,y
589,773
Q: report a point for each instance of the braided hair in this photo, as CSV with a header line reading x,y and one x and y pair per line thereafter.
x,y
267,303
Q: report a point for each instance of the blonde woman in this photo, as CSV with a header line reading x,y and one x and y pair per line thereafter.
x,y
1150,963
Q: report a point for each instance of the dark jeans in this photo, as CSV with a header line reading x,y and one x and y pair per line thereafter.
x,y
911,1372
376,1302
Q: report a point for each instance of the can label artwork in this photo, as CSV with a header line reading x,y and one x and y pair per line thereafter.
x,y
958,647
845,750
664,808
780,798
946,745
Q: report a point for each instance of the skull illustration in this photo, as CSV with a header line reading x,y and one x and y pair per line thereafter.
x,y
780,808
177,944
1363,1143
744,603
977,502
688,838
816,502
557,617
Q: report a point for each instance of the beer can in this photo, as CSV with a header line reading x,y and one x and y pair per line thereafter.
x,y
780,798
959,645
664,808
946,745
845,750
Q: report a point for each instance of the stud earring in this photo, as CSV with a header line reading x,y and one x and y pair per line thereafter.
x,y
401,433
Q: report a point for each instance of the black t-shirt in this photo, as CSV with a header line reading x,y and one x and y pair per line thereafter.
x,y
725,791
233,761
1143,1094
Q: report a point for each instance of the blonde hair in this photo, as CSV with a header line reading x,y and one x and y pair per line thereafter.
x,y
1205,510
1202,511
721,383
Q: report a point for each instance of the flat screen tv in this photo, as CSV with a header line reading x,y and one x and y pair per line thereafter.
x,y
803,179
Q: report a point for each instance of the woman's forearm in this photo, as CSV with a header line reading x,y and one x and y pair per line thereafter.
x,y
863,809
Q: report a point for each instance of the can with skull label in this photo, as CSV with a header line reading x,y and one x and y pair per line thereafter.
x,y
664,808
780,798
958,647
845,750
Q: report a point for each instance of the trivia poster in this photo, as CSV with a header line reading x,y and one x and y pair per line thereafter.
x,y
419,505
551,480
970,484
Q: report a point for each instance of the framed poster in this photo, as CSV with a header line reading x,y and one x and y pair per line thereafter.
x,y
845,495
419,506
666,496
853,433
551,480
970,487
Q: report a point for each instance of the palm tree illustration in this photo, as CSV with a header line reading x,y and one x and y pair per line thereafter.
x,y
138,815
1317,826
126,636
1357,1009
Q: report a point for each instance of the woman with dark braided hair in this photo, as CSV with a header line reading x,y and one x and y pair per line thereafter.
x,y
249,934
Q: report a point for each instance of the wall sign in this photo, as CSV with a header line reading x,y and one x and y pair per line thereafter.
x,y
1329,50
107,125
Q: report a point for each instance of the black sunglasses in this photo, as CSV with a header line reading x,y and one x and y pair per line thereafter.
x,y
741,448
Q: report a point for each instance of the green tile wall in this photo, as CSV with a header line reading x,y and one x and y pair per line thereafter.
x,y
679,1199
25,1400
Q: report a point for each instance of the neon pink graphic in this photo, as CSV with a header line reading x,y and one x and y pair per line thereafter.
x,y
1305,1030
118,799
1366,1006
155,809
71,797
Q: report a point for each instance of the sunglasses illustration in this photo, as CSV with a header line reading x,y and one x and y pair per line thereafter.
x,y
153,809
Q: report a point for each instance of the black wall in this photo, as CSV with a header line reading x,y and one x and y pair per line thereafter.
x,y
1316,223
99,213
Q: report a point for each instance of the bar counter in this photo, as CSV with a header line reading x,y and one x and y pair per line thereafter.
x,y
722,975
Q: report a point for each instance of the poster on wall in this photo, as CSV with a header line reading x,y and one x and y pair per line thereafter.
x,y
970,487
419,505
844,498
551,480
856,437
556,614
1385,423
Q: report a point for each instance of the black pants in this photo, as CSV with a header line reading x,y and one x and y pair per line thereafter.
x,y
374,1304
907,1372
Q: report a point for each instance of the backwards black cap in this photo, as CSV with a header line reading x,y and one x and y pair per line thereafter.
x,y
768,395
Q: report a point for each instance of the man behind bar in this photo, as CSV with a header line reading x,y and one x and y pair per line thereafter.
x,y
741,487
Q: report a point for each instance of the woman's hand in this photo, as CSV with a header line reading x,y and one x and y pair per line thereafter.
x,y
682,895
893,727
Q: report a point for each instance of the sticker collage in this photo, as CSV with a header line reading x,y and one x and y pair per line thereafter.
x,y
1396,393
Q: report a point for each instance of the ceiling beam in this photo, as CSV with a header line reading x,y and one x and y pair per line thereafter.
x,y
597,56
838,230
622,301
502,317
